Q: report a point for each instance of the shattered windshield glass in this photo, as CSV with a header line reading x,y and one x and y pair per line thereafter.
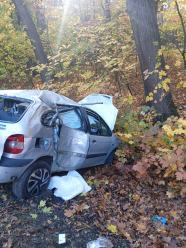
x,y
12,109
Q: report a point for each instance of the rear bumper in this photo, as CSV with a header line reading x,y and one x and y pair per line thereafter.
x,y
10,169
12,162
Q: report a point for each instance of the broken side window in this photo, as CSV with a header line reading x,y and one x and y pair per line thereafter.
x,y
12,109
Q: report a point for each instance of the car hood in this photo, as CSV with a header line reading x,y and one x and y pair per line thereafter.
x,y
103,105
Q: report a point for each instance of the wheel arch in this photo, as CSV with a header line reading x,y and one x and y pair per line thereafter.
x,y
48,159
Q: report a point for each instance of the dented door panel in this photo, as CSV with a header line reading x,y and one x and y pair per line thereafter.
x,y
72,149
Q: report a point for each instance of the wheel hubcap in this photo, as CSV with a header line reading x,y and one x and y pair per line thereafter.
x,y
37,181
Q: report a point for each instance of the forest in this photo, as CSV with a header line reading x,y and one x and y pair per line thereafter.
x,y
134,50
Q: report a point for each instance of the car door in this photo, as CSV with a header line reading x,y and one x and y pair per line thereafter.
x,y
73,141
100,139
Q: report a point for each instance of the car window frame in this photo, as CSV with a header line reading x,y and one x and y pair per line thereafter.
x,y
94,114
79,112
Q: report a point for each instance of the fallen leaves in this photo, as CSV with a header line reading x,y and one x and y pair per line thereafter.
x,y
44,208
75,209
121,206
142,225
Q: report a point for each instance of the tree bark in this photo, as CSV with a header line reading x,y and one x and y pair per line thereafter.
x,y
40,16
143,17
33,35
107,12
183,53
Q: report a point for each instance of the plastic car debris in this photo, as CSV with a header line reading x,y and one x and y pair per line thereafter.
x,y
69,186
61,239
100,243
157,218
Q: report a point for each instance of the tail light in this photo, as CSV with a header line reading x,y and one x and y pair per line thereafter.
x,y
14,144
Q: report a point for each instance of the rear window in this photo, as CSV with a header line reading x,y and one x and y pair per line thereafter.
x,y
12,109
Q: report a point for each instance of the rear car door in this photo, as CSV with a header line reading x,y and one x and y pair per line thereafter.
x,y
74,141
100,139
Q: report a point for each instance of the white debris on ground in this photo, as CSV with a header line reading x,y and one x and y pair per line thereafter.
x,y
61,238
69,186
101,242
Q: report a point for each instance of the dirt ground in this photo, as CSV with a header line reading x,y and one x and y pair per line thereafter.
x,y
119,207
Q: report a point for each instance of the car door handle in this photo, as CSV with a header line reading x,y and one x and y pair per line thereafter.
x,y
94,141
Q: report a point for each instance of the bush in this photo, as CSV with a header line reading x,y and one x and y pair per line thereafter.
x,y
158,150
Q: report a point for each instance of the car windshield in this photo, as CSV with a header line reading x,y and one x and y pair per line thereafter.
x,y
12,109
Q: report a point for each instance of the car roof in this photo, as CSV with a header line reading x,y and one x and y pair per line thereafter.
x,y
46,96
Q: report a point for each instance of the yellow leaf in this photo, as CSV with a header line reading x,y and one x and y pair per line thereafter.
x,y
128,135
168,130
136,197
149,98
112,228
165,86
167,81
160,52
182,122
181,84
162,74
178,63
170,170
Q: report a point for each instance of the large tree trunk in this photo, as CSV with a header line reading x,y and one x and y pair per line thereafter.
x,y
31,30
183,52
40,16
143,17
107,12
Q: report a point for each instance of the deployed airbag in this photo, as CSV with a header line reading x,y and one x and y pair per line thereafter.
x,y
69,186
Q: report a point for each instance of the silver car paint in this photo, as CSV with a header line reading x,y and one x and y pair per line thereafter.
x,y
76,148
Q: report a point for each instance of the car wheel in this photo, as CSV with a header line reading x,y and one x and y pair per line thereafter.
x,y
33,182
110,158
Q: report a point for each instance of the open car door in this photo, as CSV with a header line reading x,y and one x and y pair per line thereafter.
x,y
73,142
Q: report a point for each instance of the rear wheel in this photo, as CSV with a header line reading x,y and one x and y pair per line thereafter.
x,y
33,182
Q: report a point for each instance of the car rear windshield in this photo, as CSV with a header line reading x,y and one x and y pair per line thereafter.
x,y
12,109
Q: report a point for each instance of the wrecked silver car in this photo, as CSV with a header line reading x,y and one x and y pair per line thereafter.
x,y
42,132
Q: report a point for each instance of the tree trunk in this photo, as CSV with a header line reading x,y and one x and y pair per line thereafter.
x,y
143,17
183,53
107,12
40,16
31,30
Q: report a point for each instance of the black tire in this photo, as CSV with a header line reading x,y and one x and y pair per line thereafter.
x,y
33,182
110,158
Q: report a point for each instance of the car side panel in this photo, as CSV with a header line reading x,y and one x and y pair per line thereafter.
x,y
98,150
